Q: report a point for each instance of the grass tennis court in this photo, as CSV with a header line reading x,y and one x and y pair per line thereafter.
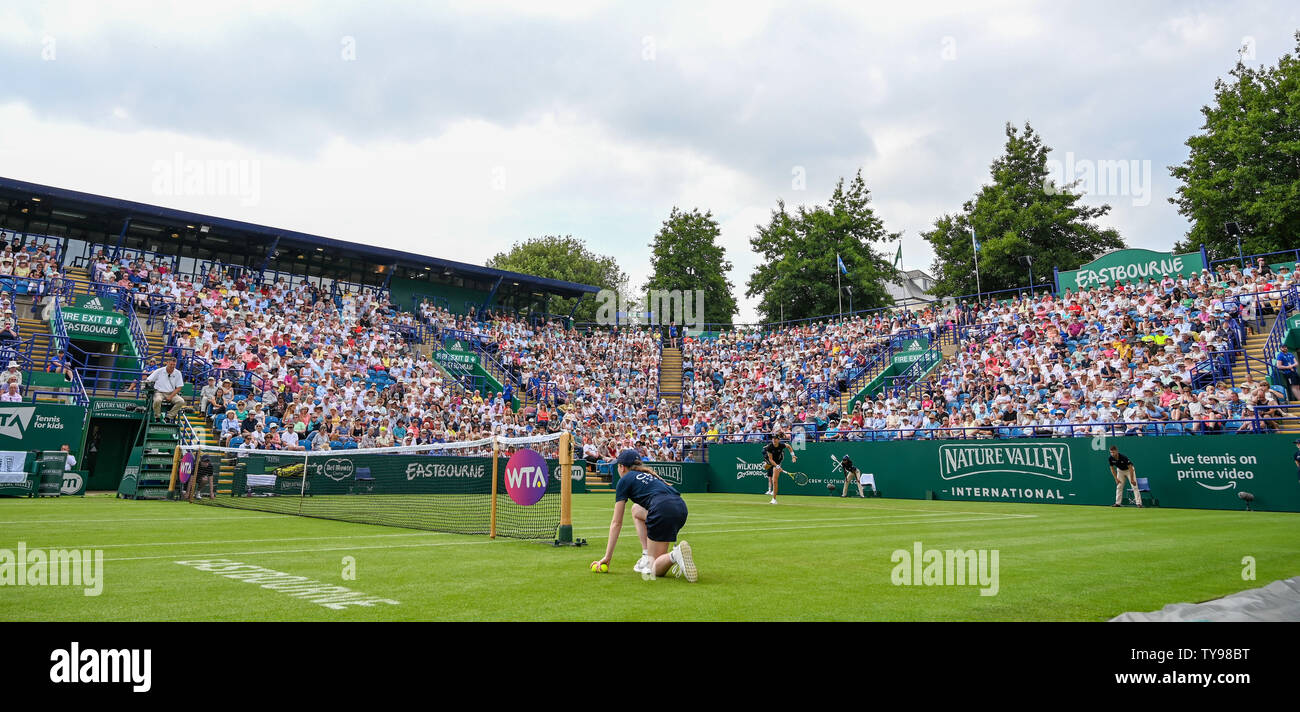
x,y
806,559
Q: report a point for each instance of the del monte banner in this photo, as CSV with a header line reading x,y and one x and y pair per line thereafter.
x,y
1129,266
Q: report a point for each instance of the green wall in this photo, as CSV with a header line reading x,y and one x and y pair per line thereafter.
x,y
1198,472
401,291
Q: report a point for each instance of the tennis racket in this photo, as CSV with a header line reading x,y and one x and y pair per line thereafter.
x,y
798,477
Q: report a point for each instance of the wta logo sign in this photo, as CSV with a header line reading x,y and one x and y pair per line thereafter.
x,y
14,421
526,475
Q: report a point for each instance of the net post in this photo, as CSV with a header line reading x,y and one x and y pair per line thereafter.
x,y
302,492
492,524
565,534
176,469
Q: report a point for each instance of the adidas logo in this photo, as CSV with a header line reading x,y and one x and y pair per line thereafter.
x,y
14,421
95,305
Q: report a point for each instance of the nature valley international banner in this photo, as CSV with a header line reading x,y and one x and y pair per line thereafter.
x,y
1198,472
1129,266
685,477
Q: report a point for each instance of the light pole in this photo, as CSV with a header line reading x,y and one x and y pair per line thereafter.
x,y
1234,230
1029,260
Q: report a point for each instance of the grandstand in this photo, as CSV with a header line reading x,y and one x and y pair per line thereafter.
x,y
303,343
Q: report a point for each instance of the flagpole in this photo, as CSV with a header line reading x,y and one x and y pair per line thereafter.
x,y
976,250
839,293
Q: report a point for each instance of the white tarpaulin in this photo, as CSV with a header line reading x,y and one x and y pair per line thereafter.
x,y
1278,601
11,467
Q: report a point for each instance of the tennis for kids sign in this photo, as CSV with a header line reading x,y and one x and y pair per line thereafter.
x,y
1129,266
526,476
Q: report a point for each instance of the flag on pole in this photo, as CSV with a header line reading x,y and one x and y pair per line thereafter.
x,y
898,258
840,262
975,243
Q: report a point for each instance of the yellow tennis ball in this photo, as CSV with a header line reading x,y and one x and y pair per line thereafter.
x,y
604,568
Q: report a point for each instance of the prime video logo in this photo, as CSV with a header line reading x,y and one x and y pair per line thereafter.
x,y
92,666
662,307
240,179
1105,178
53,567
937,567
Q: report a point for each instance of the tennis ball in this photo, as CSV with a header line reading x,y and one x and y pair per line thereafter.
x,y
599,568
604,568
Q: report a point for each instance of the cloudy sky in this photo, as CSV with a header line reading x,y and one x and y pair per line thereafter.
x,y
458,128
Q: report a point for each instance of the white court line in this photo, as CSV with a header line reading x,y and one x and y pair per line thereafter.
x,y
212,542
235,541
225,554
138,519
832,526
851,507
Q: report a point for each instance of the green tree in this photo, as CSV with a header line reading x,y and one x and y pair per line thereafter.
x,y
564,258
1244,166
685,255
797,268
1021,213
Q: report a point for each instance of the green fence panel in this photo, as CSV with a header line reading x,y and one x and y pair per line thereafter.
x,y
1200,472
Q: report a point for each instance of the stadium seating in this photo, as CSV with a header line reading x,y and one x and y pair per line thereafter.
x,y
303,367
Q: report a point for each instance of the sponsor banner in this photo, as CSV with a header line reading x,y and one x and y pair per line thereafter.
x,y
116,408
526,477
1197,472
187,466
16,480
1130,266
41,426
683,476
95,325
74,483
339,473
578,475
93,302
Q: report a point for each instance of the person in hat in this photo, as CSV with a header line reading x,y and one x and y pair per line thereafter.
x,y
659,514
12,374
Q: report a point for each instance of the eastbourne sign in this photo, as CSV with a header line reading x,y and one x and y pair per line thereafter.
x,y
97,325
1130,266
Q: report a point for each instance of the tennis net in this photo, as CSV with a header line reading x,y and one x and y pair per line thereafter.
x,y
445,487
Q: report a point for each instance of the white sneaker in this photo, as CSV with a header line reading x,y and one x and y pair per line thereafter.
x,y
643,565
768,492
681,555
773,501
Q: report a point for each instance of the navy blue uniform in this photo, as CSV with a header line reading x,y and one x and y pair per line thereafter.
x,y
665,510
